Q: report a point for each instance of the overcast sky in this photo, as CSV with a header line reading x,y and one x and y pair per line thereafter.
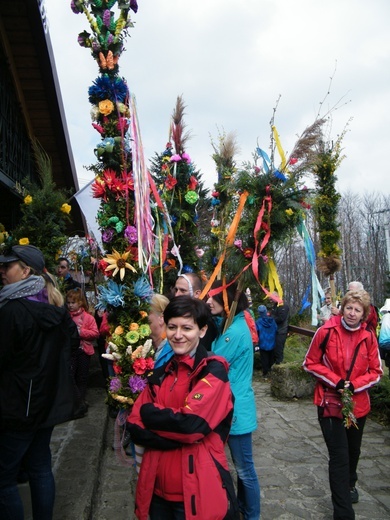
x,y
231,60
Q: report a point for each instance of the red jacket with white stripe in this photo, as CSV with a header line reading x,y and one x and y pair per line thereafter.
x,y
329,363
195,431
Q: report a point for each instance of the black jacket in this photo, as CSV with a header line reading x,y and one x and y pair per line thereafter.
x,y
36,388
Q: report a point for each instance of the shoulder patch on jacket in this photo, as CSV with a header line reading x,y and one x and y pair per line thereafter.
x,y
197,396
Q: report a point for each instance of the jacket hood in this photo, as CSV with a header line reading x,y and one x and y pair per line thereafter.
x,y
266,322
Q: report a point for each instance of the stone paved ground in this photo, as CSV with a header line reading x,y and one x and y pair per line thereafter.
x,y
290,458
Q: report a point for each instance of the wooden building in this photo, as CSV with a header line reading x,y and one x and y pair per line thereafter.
x,y
30,107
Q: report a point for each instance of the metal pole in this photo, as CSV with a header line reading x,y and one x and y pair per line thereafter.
x,y
387,237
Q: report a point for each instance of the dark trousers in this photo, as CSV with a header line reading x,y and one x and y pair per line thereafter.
x,y
278,351
80,369
344,451
266,358
161,509
34,449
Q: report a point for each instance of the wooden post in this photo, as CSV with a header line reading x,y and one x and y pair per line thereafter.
x,y
233,307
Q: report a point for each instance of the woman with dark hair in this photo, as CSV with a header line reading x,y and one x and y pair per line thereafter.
x,y
235,345
182,418
343,356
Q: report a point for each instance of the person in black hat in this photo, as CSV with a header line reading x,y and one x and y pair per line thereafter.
x,y
36,388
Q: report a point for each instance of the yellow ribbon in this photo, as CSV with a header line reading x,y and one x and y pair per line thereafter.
x,y
273,279
279,147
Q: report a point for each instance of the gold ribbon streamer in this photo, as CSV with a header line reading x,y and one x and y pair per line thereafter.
x,y
228,242
279,147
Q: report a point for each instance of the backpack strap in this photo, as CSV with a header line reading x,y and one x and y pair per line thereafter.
x,y
324,342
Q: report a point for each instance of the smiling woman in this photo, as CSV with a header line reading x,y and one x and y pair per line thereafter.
x,y
183,418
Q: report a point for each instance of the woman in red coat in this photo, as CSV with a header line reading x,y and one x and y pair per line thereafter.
x,y
329,359
183,419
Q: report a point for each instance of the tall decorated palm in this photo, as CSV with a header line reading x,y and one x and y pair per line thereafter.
x,y
121,184
258,206
325,209
182,199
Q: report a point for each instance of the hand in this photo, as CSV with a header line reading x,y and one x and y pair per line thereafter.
x,y
334,310
350,386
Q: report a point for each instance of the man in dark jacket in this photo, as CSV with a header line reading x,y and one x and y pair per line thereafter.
x,y
36,390
280,312
63,272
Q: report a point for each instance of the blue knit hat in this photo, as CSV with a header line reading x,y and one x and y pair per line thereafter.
x,y
262,310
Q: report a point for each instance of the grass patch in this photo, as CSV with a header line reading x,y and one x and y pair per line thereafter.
x,y
380,401
294,350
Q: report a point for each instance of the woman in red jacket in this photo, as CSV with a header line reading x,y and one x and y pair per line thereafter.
x,y
183,419
342,342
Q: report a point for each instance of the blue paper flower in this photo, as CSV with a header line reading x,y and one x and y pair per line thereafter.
x,y
187,269
111,294
142,289
105,87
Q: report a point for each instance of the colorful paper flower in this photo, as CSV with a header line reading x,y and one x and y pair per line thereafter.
x,y
131,234
143,289
139,366
192,183
132,337
106,107
137,383
65,208
115,384
144,330
28,199
107,235
170,182
118,263
24,241
248,252
191,197
111,294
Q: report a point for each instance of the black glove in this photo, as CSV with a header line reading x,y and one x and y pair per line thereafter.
x,y
341,386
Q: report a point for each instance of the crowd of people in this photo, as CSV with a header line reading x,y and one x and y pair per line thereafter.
x,y
198,399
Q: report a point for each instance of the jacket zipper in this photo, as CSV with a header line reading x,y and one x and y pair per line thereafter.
x,y
29,399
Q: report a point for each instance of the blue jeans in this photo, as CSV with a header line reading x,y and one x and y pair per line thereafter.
x,y
33,449
248,487
161,509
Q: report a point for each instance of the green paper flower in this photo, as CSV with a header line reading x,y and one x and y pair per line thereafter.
x,y
191,197
132,337
144,331
119,226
